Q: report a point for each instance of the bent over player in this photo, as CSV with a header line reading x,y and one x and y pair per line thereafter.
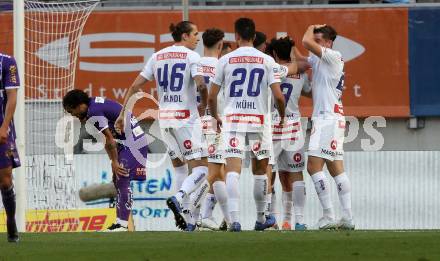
x,y
127,151
327,136
9,83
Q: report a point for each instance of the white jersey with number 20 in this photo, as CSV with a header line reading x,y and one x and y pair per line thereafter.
x,y
246,75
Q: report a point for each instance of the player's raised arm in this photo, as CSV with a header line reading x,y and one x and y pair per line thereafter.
x,y
309,41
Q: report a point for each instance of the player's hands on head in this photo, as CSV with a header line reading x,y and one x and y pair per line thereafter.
x,y
120,124
317,26
119,170
3,135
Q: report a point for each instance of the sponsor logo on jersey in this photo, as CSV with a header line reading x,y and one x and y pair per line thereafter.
x,y
256,146
171,55
296,165
192,152
187,144
245,118
246,59
211,149
233,142
13,73
208,70
339,109
297,157
333,144
174,114
140,172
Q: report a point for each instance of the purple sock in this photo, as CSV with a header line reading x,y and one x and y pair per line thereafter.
x,y
124,200
8,198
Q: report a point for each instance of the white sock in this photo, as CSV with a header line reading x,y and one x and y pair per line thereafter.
x,y
260,189
186,206
286,198
322,188
198,195
233,188
268,203
273,203
181,173
344,192
222,197
192,182
208,205
299,200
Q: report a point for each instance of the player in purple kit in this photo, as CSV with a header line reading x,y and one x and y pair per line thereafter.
x,y
9,83
127,151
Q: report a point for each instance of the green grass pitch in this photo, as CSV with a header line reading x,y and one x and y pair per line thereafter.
x,y
270,245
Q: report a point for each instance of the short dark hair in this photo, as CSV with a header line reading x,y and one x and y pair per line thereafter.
x,y
212,36
281,47
260,38
74,98
245,28
184,27
328,32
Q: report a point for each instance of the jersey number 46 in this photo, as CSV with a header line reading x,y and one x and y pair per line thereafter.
x,y
173,82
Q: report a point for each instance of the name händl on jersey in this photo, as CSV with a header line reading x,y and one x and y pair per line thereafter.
x,y
246,59
171,55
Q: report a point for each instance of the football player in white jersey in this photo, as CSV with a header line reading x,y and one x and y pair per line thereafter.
x,y
178,75
246,76
288,141
212,42
286,69
327,136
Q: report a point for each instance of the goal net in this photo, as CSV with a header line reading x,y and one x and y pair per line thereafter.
x,y
52,34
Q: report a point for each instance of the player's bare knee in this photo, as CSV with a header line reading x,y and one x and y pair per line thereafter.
x,y
5,180
335,167
177,162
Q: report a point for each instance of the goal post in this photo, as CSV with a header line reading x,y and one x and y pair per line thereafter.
x,y
46,39
19,117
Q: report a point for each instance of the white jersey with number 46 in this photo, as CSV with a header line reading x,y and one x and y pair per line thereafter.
x,y
174,68
245,76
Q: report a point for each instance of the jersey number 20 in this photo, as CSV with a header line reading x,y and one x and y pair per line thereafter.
x,y
236,89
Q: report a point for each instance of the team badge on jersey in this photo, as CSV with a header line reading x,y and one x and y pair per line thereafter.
x,y
333,144
233,142
211,149
297,157
187,144
256,146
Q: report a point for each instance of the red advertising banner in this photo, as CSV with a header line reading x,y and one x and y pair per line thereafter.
x,y
374,43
